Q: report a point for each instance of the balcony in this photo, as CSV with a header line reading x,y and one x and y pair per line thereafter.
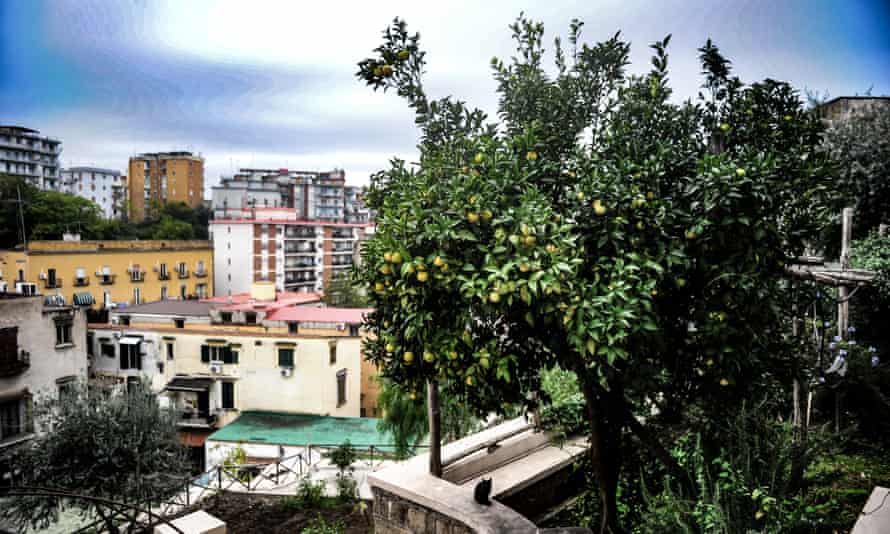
x,y
106,279
14,363
163,275
197,419
306,249
182,273
81,282
54,283
201,274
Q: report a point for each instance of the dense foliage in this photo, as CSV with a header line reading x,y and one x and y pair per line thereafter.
x,y
598,226
121,447
49,214
861,146
342,292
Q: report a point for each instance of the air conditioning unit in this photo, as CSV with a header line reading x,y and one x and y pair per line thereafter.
x,y
216,368
286,372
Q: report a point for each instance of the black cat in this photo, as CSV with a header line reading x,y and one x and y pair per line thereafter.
x,y
482,492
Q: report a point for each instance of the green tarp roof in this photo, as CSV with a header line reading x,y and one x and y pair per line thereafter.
x,y
303,429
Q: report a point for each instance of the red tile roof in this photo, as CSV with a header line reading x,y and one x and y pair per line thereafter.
x,y
320,315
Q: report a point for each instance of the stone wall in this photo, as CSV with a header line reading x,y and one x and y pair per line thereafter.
x,y
394,515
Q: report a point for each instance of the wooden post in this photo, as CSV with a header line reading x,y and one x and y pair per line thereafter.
x,y
435,429
843,307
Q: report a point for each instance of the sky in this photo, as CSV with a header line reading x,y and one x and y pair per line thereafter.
x,y
272,85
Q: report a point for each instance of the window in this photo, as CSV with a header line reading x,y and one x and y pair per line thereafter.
x,y
179,323
67,388
225,317
201,290
63,332
285,357
250,317
130,357
137,295
353,330
341,387
293,328
11,419
182,291
90,351
228,395
163,292
107,349
221,353
162,272
332,349
125,320
169,350
50,278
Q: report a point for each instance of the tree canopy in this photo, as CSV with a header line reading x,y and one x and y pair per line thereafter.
x,y
598,226
121,447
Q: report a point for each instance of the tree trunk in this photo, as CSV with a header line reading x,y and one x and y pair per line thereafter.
x,y
605,453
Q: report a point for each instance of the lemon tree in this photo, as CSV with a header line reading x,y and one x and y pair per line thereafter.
x,y
598,226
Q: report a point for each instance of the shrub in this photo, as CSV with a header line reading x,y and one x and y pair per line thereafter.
x,y
347,488
320,526
310,494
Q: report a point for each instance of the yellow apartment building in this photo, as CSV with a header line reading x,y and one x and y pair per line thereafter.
x,y
164,177
112,272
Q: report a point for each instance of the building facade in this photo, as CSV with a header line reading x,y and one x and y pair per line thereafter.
x,y
213,359
27,154
314,196
111,273
43,350
275,245
845,107
164,177
104,187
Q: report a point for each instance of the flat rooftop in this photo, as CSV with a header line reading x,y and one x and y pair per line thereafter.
x,y
299,430
191,308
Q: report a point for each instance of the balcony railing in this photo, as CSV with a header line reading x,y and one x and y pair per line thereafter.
x,y
163,276
201,274
52,284
106,279
81,282
198,419
183,273
15,363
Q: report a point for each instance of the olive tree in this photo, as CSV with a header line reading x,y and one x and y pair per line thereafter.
x,y
598,226
120,449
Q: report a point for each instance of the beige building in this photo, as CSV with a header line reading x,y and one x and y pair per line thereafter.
x,y
164,177
112,273
216,358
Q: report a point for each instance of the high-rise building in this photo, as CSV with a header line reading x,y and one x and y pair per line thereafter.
x,y
104,187
275,245
164,177
314,196
26,153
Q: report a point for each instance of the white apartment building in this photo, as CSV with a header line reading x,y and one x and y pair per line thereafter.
x,y
275,245
26,153
315,196
43,350
104,187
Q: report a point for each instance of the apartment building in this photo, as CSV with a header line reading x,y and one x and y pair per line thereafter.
x,y
27,154
275,245
43,350
164,177
843,108
104,187
110,273
315,196
216,358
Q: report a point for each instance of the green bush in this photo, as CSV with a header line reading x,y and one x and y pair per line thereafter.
x,y
320,526
310,494
347,488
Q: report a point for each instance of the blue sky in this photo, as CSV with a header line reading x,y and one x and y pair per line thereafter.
x,y
271,83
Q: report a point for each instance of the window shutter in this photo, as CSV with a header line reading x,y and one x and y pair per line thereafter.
x,y
228,395
137,355
234,355
125,358
205,353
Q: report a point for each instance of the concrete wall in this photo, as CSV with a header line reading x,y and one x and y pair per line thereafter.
x,y
232,257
